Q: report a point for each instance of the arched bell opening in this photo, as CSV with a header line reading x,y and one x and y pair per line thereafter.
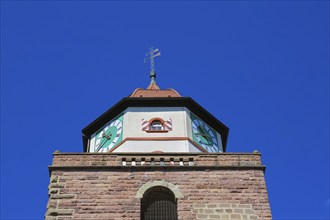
x,y
159,203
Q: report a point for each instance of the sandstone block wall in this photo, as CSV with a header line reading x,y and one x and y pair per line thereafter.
x,y
110,186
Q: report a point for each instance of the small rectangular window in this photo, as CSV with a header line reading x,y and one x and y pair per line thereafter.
x,y
123,161
181,162
133,162
143,161
162,162
191,161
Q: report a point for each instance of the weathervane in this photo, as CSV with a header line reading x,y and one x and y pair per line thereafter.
x,y
150,56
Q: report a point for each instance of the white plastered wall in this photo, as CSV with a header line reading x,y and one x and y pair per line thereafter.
x,y
152,146
133,129
133,121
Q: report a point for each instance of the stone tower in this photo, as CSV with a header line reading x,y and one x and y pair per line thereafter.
x,y
157,156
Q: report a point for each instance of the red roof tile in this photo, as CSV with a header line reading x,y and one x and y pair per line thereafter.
x,y
154,91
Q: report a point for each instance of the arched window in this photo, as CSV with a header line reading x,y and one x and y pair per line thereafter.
x,y
158,203
156,126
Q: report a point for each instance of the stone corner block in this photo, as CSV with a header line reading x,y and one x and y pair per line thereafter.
x,y
62,196
56,185
59,212
53,179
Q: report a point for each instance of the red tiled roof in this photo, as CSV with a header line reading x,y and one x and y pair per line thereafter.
x,y
154,91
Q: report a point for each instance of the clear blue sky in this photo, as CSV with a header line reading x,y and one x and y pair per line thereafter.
x,y
260,67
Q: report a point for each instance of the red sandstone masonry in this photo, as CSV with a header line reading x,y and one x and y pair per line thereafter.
x,y
85,186
91,159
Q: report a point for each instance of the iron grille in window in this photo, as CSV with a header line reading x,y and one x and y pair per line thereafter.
x,y
158,203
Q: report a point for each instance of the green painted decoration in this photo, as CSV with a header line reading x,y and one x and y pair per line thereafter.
x,y
204,135
109,135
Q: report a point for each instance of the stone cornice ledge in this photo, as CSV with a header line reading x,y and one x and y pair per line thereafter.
x,y
152,168
154,154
